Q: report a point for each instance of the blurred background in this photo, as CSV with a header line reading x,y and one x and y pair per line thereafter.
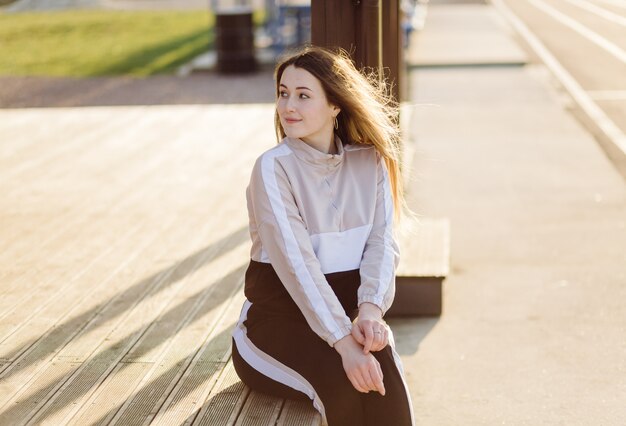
x,y
61,47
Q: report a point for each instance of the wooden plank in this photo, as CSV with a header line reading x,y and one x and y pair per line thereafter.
x,y
189,287
120,149
44,385
177,360
224,402
21,314
47,245
200,304
55,407
78,201
299,413
423,266
140,407
422,296
191,390
56,399
102,349
24,129
118,257
18,325
136,309
37,354
118,388
79,137
183,243
426,249
62,249
11,119
259,410
38,306
147,168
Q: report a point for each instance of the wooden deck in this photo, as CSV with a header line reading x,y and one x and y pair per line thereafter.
x,y
124,242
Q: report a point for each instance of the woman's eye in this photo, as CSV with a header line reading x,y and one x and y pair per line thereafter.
x,y
305,96
283,93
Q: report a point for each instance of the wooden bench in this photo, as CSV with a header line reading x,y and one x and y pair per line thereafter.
x,y
424,264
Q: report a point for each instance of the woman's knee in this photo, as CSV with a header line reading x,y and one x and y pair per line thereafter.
x,y
258,381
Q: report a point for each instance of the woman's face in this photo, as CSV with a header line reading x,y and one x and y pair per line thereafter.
x,y
303,108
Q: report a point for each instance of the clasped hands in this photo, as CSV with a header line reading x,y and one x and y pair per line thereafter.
x,y
369,334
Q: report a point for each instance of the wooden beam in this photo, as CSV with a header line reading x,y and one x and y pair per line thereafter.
x,y
369,35
392,54
368,29
333,24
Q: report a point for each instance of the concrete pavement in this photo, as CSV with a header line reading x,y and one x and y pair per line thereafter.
x,y
533,329
195,89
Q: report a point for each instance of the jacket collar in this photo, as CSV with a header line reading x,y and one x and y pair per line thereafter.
x,y
305,152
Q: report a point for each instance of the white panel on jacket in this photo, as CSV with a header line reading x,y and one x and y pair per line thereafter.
x,y
340,251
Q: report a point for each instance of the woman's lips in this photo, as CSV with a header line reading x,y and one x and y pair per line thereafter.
x,y
291,120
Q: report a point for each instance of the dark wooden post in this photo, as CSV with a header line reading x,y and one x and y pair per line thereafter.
x,y
393,61
368,35
368,29
333,24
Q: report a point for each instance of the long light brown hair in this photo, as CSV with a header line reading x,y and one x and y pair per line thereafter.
x,y
369,114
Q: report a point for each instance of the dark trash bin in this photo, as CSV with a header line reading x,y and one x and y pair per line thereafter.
x,y
234,41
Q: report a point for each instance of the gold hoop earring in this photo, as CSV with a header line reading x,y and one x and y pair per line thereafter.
x,y
336,123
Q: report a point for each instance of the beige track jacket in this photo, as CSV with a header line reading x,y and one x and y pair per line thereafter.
x,y
312,214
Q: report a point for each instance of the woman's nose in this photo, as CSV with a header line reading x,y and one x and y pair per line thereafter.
x,y
290,104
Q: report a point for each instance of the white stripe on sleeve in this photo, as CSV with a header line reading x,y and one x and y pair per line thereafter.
x,y
293,253
387,262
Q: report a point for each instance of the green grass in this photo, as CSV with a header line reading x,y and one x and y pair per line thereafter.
x,y
97,43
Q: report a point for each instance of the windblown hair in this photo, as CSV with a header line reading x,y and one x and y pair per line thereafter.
x,y
369,114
